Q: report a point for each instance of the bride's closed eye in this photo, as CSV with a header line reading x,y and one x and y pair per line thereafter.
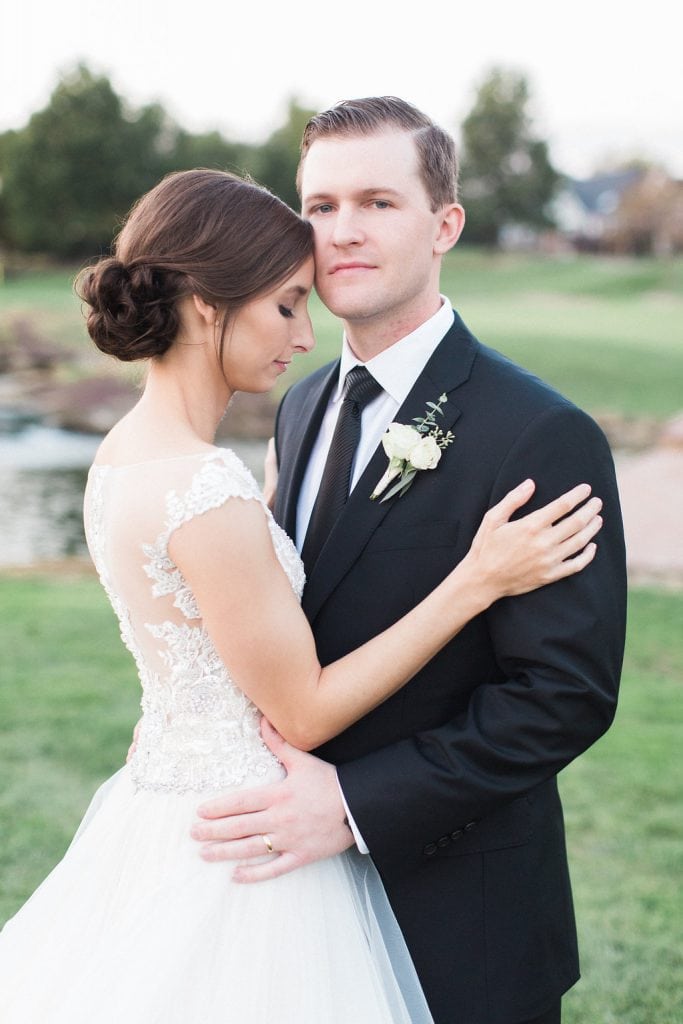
x,y
286,312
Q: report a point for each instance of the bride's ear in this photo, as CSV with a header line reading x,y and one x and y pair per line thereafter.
x,y
206,311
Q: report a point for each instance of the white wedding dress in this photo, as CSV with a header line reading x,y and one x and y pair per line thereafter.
x,y
132,926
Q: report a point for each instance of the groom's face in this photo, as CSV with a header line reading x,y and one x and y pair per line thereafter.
x,y
375,232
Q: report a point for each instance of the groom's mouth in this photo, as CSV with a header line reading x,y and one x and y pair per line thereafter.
x,y
342,268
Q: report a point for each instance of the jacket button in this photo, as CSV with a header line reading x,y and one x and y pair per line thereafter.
x,y
429,850
458,834
443,841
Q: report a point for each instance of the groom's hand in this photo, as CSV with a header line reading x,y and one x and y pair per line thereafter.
x,y
270,474
134,743
302,817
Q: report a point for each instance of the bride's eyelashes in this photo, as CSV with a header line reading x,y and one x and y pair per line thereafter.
x,y
286,312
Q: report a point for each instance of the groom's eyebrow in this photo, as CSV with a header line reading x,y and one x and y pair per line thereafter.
x,y
382,190
365,193
318,197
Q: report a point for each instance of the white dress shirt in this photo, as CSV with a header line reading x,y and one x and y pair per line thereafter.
x,y
396,369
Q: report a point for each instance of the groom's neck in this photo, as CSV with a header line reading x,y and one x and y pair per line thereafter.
x,y
369,336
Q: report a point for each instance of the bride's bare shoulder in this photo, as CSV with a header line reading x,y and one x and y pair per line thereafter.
x,y
131,442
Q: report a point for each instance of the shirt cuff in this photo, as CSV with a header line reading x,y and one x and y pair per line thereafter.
x,y
360,842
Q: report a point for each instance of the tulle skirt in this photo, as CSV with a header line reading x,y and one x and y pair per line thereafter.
x,y
133,927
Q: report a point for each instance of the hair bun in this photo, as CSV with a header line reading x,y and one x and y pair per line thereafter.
x,y
132,309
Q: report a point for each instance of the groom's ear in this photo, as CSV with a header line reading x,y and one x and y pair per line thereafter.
x,y
451,223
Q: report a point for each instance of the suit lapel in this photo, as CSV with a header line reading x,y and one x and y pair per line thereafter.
x,y
299,446
448,368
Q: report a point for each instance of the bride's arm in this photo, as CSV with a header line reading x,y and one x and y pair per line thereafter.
x,y
263,637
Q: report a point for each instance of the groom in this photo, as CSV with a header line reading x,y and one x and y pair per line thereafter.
x,y
452,783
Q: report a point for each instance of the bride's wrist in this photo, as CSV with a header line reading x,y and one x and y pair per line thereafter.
x,y
476,587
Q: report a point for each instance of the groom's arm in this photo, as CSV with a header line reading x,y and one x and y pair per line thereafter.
x,y
561,650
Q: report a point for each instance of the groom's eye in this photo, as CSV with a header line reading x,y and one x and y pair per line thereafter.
x,y
286,312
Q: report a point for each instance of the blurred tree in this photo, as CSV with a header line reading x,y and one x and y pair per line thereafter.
x,y
507,177
212,150
73,172
6,142
278,157
68,178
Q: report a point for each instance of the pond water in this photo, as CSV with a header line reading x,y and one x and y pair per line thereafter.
x,y
42,478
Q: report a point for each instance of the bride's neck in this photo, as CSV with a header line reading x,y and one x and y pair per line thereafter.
x,y
185,394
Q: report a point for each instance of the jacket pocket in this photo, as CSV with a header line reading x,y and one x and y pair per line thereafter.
x,y
415,535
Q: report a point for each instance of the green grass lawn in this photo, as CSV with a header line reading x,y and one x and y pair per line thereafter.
x,y
68,696
624,810
69,699
606,332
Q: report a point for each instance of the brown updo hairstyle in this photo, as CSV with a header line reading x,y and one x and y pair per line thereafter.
x,y
202,232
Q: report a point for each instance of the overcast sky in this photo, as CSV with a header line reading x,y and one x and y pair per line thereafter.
x,y
606,77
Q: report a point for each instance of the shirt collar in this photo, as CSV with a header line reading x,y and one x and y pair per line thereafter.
x,y
397,368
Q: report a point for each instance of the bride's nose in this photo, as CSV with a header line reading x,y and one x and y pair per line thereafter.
x,y
305,339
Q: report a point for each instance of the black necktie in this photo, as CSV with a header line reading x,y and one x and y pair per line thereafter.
x,y
360,387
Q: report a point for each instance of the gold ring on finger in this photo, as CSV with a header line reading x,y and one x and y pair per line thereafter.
x,y
267,843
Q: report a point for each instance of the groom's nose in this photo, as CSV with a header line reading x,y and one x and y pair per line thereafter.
x,y
346,228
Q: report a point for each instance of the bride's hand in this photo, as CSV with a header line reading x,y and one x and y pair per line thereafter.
x,y
270,475
544,546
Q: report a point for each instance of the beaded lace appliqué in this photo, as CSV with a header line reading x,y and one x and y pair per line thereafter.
x,y
198,731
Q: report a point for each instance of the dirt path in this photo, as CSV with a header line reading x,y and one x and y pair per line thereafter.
x,y
651,489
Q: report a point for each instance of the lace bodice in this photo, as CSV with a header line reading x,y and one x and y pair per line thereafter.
x,y
198,730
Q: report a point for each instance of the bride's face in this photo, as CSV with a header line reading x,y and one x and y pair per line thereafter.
x,y
266,333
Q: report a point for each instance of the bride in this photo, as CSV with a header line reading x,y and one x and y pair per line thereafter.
x,y
209,282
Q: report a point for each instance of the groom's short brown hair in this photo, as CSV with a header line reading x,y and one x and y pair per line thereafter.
x,y
438,162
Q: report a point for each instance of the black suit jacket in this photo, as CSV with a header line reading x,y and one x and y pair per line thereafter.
x,y
452,782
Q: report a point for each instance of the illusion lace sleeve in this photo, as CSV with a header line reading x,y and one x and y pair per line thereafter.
x,y
198,730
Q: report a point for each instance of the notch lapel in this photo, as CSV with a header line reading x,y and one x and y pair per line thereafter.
x,y
449,367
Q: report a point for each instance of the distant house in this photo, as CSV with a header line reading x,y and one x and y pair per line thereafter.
x,y
635,210
584,210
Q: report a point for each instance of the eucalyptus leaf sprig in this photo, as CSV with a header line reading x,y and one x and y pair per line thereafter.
x,y
427,424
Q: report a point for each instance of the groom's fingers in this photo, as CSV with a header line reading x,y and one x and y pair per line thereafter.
x,y
241,801
301,818
286,754
249,848
270,869
224,830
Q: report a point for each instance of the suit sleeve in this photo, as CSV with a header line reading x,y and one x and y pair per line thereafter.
x,y
559,650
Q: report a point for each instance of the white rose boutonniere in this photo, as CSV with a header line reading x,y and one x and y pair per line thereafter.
x,y
411,449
